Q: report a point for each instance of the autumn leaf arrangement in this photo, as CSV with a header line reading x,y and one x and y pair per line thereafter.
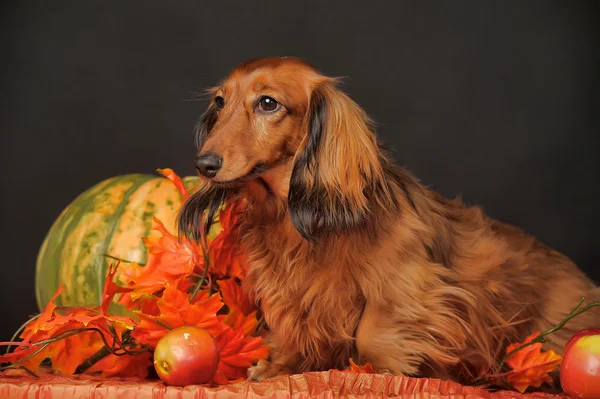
x,y
183,283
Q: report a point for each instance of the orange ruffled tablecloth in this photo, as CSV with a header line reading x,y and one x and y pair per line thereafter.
x,y
332,384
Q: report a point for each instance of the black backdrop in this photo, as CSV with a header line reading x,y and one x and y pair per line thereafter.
x,y
493,101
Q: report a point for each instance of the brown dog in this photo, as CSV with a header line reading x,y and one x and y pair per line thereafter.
x,y
351,256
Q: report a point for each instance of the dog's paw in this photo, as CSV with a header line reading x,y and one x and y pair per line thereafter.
x,y
264,370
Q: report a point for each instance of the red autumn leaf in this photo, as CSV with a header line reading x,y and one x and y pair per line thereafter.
x,y
237,354
530,367
235,298
171,175
230,215
177,311
227,258
219,257
111,289
367,368
148,305
123,366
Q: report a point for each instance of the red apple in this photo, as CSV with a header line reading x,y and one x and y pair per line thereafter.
x,y
186,356
580,367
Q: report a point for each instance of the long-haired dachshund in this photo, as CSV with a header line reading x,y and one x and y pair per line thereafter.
x,y
350,255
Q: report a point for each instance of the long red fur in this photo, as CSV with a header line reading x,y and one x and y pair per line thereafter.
x,y
389,272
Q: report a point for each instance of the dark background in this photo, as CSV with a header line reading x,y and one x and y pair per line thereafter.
x,y
493,101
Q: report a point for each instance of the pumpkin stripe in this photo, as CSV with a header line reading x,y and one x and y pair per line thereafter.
x,y
170,201
100,263
82,247
48,276
81,207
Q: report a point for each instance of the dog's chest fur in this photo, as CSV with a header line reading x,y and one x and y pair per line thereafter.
x,y
302,297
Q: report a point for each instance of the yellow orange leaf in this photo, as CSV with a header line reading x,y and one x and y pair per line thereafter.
x,y
70,336
235,297
177,311
227,257
366,368
171,175
123,366
111,289
237,353
236,320
530,366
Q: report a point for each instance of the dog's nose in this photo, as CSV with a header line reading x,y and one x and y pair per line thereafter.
x,y
208,164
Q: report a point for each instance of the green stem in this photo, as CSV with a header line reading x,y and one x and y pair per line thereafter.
x,y
160,323
540,337
204,247
25,359
261,325
19,331
199,283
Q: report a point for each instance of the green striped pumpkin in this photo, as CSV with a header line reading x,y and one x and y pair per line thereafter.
x,y
109,218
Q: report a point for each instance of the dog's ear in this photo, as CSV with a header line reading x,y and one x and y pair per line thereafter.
x,y
338,177
206,121
190,222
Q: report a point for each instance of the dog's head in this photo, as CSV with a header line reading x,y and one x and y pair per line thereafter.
x,y
281,122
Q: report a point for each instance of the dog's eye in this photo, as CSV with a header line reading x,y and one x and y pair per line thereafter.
x,y
220,101
267,104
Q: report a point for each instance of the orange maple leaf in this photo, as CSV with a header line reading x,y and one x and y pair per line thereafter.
x,y
68,353
174,256
71,330
30,355
169,259
73,334
111,289
176,310
171,175
235,297
227,258
231,214
367,368
148,305
236,320
48,313
530,367
237,353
